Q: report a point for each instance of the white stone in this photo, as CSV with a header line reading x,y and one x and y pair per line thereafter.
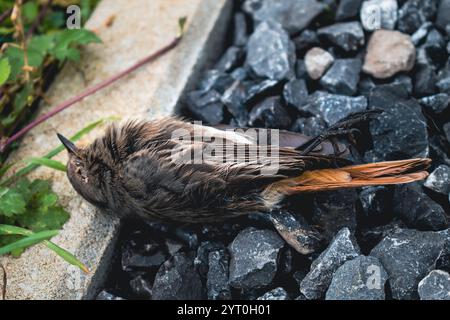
x,y
317,61
389,52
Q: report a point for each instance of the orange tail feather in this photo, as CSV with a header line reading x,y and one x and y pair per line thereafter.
x,y
381,173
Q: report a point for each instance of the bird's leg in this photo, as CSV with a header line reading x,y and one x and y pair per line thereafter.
x,y
355,118
340,128
310,145
336,150
335,145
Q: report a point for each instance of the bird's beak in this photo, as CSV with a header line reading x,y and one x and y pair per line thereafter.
x,y
71,148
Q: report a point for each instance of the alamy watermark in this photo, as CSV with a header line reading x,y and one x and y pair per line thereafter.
x,y
376,15
374,279
202,145
74,17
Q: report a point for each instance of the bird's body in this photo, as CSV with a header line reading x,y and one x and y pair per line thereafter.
x,y
141,168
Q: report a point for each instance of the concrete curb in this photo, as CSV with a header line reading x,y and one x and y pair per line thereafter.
x,y
139,28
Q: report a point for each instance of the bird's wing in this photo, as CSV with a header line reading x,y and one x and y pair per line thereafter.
x,y
239,155
235,156
285,139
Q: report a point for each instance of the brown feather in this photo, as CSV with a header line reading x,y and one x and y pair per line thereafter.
x,y
381,173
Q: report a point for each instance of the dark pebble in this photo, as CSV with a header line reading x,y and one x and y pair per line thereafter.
x,y
295,93
217,284
105,295
343,247
240,30
234,100
439,180
362,278
270,114
334,210
408,256
417,210
293,15
207,106
333,107
348,10
254,258
400,132
177,279
275,294
437,103
349,36
230,59
312,126
215,80
270,52
141,287
376,203
414,13
443,14
435,286
342,77
305,41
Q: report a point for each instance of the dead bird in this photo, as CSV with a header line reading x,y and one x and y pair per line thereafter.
x,y
136,169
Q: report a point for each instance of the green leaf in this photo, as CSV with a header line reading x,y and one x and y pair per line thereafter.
x,y
39,186
72,54
4,168
30,11
11,202
67,256
86,8
49,163
5,70
23,187
48,200
10,230
16,59
28,241
44,218
8,120
35,58
21,100
42,211
6,30
68,40
33,205
5,240
42,44
53,21
182,24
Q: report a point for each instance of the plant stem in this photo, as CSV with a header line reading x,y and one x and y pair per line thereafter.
x,y
66,104
16,18
5,15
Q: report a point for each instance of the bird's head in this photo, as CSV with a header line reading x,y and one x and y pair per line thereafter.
x,y
87,174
